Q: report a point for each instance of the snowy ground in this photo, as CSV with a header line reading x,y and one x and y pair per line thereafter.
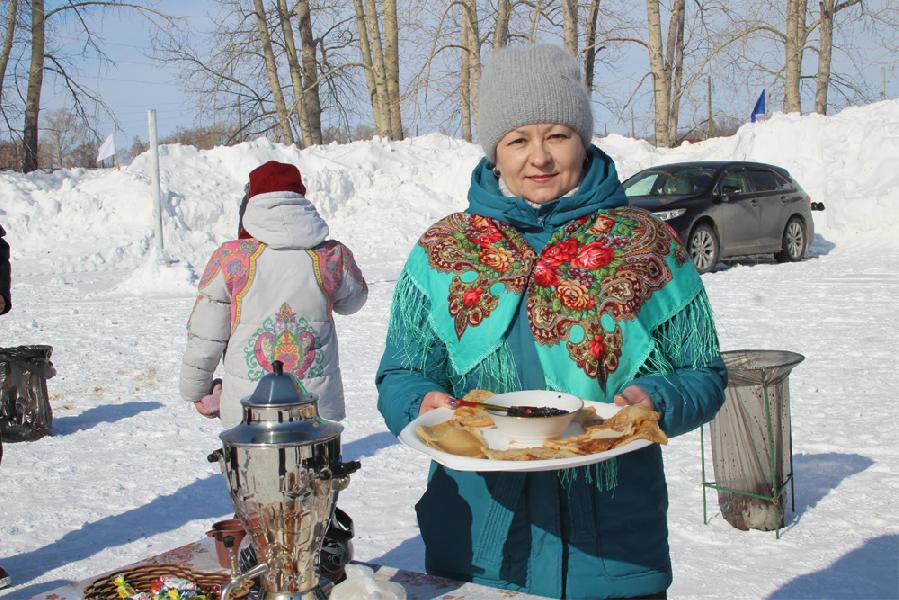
x,y
125,474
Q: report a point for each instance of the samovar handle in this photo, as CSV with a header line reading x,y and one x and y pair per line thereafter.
x,y
238,581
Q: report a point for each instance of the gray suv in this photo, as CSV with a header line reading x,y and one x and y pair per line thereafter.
x,y
728,209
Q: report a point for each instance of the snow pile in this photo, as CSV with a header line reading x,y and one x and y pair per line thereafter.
x,y
378,195
158,275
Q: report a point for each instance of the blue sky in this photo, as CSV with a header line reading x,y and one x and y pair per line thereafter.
x,y
137,84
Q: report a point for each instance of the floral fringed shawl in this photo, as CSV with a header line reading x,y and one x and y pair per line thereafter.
x,y
613,295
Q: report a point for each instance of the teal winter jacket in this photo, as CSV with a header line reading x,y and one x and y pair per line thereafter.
x,y
555,534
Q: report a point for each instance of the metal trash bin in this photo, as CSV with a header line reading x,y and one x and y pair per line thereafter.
x,y
752,443
25,412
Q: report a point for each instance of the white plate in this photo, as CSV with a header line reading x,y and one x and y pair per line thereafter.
x,y
498,442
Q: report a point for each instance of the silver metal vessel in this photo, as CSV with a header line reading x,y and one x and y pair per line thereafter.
x,y
284,471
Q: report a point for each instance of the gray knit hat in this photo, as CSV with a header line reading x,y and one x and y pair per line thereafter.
x,y
528,85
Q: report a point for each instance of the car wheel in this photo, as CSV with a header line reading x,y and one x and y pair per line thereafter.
x,y
793,241
703,248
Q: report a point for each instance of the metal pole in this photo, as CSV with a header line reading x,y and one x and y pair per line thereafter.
x,y
705,518
883,83
156,192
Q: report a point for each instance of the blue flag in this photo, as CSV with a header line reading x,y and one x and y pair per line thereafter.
x,y
759,107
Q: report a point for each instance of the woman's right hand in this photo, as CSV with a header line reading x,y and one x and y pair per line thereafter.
x,y
434,400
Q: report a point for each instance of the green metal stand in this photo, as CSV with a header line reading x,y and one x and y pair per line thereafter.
x,y
777,488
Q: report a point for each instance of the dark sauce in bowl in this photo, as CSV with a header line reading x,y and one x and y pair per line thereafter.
x,y
535,411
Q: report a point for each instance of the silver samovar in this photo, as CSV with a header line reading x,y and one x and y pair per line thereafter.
x,y
283,467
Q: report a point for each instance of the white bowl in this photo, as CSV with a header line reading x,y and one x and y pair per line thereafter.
x,y
534,430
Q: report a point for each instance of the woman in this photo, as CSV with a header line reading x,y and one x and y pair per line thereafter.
x,y
549,281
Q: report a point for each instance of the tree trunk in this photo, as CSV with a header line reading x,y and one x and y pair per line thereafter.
x,y
660,74
470,8
7,42
825,50
35,81
536,13
296,79
377,61
569,26
828,10
793,50
501,32
382,124
311,87
465,77
590,51
392,69
271,68
675,65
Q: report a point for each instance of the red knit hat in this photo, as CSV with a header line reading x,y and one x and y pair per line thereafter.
x,y
275,177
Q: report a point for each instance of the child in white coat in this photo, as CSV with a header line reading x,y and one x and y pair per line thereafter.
x,y
270,295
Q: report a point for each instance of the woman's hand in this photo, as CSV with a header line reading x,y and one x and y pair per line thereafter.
x,y
434,400
634,394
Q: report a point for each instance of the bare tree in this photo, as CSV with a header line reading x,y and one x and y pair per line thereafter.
x,y
392,68
63,133
40,57
799,27
296,75
470,13
271,66
569,25
674,60
827,10
795,39
465,96
228,72
7,41
381,64
537,7
233,77
370,48
35,82
665,64
311,79
501,30
591,44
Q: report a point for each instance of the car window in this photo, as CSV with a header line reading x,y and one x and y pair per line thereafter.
x,y
783,182
641,184
675,185
735,179
763,181
671,181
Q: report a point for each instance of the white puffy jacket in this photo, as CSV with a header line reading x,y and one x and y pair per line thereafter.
x,y
271,298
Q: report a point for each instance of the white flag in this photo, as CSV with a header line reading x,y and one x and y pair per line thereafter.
x,y
107,148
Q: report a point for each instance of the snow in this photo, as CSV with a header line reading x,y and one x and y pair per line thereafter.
x,y
125,473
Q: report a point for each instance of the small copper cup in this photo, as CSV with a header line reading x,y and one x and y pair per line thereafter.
x,y
222,529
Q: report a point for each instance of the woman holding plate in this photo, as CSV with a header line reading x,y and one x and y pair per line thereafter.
x,y
549,281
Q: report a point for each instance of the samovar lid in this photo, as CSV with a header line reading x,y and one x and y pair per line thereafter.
x,y
278,413
277,390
